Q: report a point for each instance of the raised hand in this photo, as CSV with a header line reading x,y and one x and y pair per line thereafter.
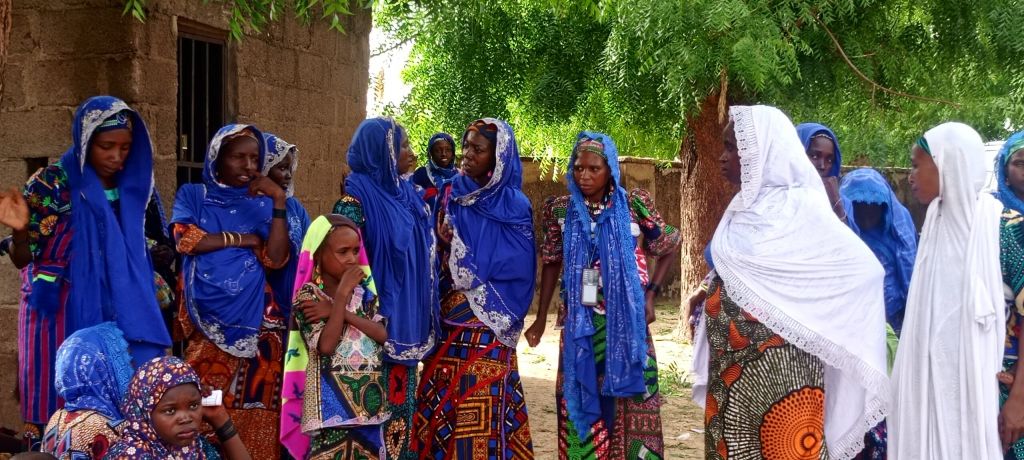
x,y
13,209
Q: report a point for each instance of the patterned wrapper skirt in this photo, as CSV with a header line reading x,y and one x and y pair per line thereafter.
x,y
766,397
470,398
629,427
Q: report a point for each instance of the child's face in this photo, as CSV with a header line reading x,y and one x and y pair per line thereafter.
x,y
339,252
177,416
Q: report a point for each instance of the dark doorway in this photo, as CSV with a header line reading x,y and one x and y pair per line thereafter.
x,y
200,97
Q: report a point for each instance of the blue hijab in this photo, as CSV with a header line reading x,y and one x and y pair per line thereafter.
x,y
399,240
224,289
611,239
807,131
282,280
894,241
493,254
111,272
1005,193
93,370
433,175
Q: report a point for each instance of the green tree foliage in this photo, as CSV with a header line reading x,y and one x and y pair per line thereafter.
x,y
254,15
880,72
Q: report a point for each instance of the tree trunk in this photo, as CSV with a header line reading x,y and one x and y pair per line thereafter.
x,y
704,194
5,38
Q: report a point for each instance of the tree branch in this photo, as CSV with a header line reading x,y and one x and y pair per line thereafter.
x,y
391,48
875,85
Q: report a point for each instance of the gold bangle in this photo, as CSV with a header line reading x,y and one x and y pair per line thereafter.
x,y
224,238
238,239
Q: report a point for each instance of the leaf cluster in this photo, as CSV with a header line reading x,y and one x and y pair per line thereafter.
x,y
255,15
871,69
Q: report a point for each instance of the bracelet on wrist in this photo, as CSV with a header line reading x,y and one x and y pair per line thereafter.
x,y
280,213
652,286
226,431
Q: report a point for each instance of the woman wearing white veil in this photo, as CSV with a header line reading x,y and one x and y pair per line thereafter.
x,y
791,350
946,398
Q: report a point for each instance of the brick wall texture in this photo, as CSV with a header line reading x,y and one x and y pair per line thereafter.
x,y
305,83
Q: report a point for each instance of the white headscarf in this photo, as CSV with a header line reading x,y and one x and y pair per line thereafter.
x,y
946,397
785,259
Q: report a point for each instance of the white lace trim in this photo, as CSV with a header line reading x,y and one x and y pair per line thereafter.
x,y
90,121
749,152
275,154
504,138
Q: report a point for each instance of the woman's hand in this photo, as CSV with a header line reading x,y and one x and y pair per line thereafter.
x,y
264,186
536,331
216,416
649,307
1011,422
349,280
13,209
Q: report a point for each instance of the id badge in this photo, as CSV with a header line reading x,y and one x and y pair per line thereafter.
x,y
591,279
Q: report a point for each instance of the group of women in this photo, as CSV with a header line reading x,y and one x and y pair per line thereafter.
x,y
795,319
388,328
385,329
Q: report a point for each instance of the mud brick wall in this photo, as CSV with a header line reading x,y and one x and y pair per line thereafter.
x,y
306,83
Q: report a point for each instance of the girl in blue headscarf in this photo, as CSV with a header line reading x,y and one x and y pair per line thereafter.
x,y
397,234
231,229
822,148
80,233
487,263
282,160
607,390
885,225
440,167
93,371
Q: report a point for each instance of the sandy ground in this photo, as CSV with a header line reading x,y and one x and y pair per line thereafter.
x,y
681,419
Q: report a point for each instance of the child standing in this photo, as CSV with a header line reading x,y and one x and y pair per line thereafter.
x,y
337,335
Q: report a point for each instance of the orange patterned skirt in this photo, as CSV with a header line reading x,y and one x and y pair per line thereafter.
x,y
251,386
766,397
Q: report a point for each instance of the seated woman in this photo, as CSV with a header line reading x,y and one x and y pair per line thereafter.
x,y
93,371
343,387
163,414
604,421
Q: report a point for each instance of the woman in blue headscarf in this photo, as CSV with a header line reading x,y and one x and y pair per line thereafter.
x,y
822,148
231,229
440,167
399,242
80,235
885,225
282,160
1010,171
487,262
93,371
607,387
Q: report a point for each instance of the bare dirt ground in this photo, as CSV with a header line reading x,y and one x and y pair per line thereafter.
x,y
682,421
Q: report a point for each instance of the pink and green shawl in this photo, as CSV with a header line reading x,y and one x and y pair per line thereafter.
x,y
297,356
